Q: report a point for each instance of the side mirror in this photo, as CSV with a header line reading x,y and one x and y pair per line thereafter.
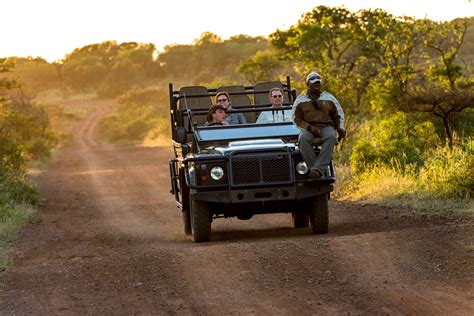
x,y
181,134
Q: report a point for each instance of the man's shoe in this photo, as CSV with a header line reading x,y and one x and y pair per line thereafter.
x,y
314,174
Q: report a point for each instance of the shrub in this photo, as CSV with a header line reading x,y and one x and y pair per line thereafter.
x,y
450,172
394,141
139,115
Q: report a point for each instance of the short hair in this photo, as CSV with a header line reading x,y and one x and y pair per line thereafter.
x,y
222,93
213,110
274,89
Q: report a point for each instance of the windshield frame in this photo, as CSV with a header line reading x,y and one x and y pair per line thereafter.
x,y
227,133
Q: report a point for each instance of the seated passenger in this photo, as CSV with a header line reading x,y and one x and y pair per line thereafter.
x,y
277,115
222,98
216,116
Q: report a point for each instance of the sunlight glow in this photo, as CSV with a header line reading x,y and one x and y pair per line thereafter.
x,y
53,28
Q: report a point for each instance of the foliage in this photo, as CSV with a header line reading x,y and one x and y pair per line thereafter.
x,y
383,57
386,185
108,67
25,135
26,124
208,59
262,66
441,103
138,113
394,141
449,172
35,74
444,182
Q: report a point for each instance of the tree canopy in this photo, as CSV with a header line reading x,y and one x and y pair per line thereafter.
x,y
378,62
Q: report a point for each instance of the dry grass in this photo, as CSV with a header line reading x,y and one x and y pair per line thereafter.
x,y
387,186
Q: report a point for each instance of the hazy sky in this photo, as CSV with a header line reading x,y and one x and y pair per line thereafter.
x,y
53,28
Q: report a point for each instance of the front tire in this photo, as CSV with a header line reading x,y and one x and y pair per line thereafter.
x,y
200,221
319,215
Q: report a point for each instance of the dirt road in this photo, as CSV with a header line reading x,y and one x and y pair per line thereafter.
x,y
109,240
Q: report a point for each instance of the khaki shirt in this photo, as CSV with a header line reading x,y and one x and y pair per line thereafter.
x,y
309,115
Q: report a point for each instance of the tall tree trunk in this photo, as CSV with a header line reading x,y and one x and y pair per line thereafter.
x,y
447,129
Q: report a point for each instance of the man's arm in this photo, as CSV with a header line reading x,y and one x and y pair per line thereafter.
x,y
336,119
297,114
298,118
328,96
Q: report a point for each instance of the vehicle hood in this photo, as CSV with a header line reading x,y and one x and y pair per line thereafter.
x,y
248,145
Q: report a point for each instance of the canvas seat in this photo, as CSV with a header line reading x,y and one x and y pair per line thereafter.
x,y
239,101
262,98
264,88
194,103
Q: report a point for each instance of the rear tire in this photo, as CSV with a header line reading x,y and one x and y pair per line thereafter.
x,y
319,215
200,221
300,219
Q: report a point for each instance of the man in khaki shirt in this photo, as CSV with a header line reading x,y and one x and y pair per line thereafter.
x,y
318,115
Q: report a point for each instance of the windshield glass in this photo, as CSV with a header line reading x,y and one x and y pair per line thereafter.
x,y
246,131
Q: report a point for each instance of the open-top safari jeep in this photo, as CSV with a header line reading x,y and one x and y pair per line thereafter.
x,y
244,169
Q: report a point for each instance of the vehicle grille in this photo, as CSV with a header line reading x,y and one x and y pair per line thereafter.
x,y
260,169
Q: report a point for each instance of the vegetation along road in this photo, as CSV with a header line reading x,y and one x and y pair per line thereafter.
x,y
109,240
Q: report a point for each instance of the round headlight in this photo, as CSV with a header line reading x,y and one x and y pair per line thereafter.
x,y
217,173
301,167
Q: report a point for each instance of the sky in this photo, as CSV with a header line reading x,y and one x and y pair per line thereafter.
x,y
53,28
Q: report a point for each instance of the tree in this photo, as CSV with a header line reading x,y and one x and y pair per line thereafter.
x,y
443,104
108,67
333,42
35,74
446,39
443,89
6,83
210,59
207,38
262,66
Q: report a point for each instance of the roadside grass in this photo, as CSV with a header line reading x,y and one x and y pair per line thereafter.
x,y
19,196
12,218
443,184
386,186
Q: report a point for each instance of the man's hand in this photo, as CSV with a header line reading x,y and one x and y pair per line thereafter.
x,y
314,130
341,133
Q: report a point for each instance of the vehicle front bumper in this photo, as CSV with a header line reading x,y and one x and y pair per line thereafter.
x,y
300,190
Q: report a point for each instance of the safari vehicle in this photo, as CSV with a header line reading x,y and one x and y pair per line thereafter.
x,y
241,170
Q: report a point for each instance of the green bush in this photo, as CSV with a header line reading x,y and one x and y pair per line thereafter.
x,y
395,140
450,172
14,185
17,190
444,182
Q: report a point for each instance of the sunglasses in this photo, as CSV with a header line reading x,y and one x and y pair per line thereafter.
x,y
277,96
222,100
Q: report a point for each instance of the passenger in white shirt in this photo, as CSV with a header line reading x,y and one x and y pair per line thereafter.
x,y
276,115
